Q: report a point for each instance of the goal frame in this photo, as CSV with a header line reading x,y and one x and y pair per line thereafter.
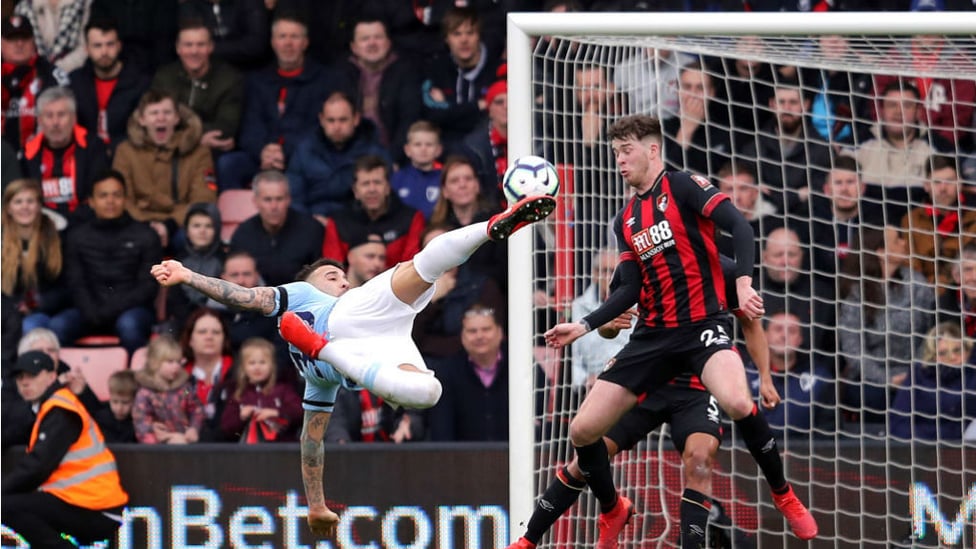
x,y
521,27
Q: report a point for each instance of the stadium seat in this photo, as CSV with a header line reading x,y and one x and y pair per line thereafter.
x,y
139,357
96,364
235,205
98,340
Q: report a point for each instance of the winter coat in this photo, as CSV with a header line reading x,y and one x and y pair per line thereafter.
x,y
217,98
149,176
107,264
261,121
174,404
937,234
282,398
90,160
132,83
936,403
208,261
877,350
280,255
400,103
400,227
320,175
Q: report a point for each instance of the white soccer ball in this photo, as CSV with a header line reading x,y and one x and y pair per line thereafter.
x,y
529,176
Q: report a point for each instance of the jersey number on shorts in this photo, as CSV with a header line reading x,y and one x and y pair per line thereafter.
x,y
712,337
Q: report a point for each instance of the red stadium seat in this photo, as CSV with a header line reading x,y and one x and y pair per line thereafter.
x,y
96,364
139,357
98,340
235,205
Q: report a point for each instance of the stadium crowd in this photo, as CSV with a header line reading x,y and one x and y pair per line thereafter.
x,y
359,130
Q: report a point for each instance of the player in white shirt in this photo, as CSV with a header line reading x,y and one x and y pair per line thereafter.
x,y
361,337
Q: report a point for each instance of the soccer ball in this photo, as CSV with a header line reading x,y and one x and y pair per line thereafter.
x,y
529,176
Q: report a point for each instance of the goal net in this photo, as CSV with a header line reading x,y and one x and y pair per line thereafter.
x,y
853,156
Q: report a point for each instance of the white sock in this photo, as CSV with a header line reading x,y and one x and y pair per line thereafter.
x,y
407,388
449,250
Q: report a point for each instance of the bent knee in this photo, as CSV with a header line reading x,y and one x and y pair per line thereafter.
x,y
697,464
422,392
739,408
581,434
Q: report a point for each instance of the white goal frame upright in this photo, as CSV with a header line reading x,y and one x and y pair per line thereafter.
x,y
521,27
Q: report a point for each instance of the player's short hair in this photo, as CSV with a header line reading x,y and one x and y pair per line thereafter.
x,y
370,162
455,17
424,126
123,383
307,270
845,162
940,162
636,126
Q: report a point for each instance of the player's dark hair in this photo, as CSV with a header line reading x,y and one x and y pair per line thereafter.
x,y
193,23
306,271
737,167
342,95
636,126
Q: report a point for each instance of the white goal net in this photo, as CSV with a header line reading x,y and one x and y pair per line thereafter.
x,y
853,156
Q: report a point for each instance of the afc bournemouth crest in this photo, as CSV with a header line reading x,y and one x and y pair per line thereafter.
x,y
662,202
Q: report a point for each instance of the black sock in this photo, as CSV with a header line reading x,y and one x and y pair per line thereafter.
x,y
562,492
595,465
695,507
759,440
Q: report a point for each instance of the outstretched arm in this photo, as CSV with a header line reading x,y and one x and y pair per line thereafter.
x,y
758,349
172,272
321,520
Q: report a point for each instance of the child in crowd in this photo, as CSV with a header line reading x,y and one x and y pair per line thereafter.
x,y
938,400
204,250
167,409
116,420
261,409
419,184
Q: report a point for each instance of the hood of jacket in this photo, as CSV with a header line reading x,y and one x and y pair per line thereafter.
x,y
148,380
185,138
210,210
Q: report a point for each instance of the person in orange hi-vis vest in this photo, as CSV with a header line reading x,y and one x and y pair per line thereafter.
x,y
67,486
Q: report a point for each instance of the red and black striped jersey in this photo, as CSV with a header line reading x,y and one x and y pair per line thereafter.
x,y
669,233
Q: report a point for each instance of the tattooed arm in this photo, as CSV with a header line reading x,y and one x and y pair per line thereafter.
x,y
171,273
321,520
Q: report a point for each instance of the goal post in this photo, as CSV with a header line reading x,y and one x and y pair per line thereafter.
x,y
614,36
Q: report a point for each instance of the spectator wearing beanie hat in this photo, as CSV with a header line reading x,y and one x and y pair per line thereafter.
x,y
487,144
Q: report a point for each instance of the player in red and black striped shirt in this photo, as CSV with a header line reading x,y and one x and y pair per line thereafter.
x,y
670,266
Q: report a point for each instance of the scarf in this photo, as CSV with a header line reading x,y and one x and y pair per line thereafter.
x,y
20,90
371,414
71,15
499,149
946,221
